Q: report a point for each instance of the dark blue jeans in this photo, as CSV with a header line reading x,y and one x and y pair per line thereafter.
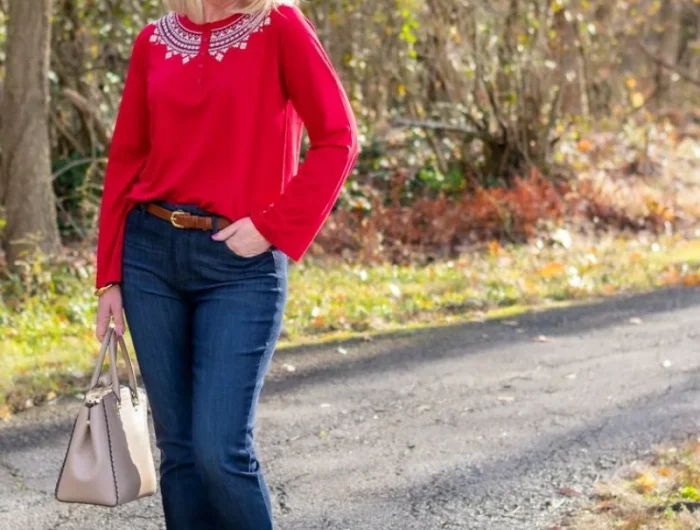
x,y
204,323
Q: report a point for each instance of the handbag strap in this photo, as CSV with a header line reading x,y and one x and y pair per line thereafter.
x,y
109,344
129,369
106,341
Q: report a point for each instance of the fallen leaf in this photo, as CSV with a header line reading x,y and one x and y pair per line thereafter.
x,y
605,505
529,286
691,280
645,483
670,277
569,492
585,145
638,100
551,270
665,471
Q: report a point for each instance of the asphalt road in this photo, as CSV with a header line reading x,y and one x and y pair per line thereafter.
x,y
473,427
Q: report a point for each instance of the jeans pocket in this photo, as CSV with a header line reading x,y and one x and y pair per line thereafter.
x,y
245,258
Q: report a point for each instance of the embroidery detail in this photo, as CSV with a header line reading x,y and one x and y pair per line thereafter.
x,y
236,34
180,41
177,39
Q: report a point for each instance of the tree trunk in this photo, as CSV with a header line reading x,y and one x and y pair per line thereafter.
x,y
667,49
30,203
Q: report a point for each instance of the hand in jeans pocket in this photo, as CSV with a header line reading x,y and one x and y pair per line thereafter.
x,y
243,239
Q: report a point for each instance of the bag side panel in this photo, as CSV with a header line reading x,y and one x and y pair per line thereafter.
x,y
131,449
87,474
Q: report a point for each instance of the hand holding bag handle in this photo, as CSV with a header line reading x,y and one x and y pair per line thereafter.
x,y
109,460
113,378
112,342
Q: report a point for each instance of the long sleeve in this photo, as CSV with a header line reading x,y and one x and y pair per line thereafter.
x,y
127,156
312,85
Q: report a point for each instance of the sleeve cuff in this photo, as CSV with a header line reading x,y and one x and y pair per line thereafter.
x,y
105,283
262,225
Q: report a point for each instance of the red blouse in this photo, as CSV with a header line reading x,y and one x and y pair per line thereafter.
x,y
212,114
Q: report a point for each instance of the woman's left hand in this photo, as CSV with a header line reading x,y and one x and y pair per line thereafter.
x,y
243,238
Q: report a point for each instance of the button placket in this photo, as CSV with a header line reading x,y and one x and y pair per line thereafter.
x,y
203,52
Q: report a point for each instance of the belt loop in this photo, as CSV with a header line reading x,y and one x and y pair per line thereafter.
x,y
213,224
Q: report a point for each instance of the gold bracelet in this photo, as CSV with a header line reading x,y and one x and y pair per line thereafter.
x,y
103,290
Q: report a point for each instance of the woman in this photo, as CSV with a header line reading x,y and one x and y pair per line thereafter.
x,y
204,202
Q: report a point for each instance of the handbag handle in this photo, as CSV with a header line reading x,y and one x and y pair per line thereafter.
x,y
129,367
110,344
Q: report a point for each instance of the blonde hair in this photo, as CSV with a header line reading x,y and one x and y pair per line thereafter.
x,y
194,9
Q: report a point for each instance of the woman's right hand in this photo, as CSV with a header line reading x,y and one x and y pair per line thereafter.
x,y
110,305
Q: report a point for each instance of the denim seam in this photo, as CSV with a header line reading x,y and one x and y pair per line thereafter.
x,y
256,390
259,380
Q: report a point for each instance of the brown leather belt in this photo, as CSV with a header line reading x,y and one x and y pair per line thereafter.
x,y
181,219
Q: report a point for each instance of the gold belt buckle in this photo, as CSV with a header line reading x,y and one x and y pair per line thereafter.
x,y
173,220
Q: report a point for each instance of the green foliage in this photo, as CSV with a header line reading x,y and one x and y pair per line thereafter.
x,y
451,183
410,25
690,492
91,46
78,191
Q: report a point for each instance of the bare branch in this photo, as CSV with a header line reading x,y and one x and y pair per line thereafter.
x,y
687,76
90,113
434,125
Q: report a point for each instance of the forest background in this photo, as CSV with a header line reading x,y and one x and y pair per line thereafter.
x,y
515,153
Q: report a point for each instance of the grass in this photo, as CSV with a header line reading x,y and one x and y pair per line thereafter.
x,y
46,314
661,494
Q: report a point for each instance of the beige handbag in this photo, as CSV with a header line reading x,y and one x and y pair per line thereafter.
x,y
109,460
